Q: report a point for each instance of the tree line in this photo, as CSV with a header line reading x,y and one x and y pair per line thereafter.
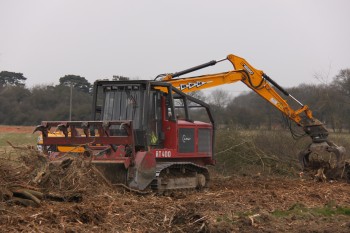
x,y
20,105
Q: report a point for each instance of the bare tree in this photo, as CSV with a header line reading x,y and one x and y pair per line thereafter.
x,y
342,82
198,95
220,98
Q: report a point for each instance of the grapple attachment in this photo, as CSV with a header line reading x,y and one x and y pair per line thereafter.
x,y
326,157
108,144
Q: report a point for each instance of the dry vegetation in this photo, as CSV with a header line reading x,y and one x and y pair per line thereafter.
x,y
253,190
264,152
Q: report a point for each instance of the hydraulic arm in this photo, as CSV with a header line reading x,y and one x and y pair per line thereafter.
x,y
262,84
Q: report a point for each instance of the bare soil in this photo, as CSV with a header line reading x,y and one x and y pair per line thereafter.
x,y
16,129
232,204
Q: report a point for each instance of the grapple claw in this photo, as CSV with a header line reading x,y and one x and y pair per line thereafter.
x,y
304,157
331,163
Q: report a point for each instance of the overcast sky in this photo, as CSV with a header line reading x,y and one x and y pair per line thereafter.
x,y
291,41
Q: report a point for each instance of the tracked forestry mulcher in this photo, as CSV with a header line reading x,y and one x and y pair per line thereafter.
x,y
150,134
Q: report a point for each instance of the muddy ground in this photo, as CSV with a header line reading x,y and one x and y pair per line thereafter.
x,y
231,204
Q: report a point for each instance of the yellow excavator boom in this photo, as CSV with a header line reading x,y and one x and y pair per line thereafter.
x,y
255,79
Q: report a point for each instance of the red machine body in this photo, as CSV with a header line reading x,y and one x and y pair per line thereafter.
x,y
143,134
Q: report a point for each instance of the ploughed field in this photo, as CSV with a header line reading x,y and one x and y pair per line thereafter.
x,y
77,199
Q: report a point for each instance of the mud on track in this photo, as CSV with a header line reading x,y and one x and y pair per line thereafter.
x,y
233,204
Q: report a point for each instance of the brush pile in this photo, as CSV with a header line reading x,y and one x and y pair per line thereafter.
x,y
27,178
18,170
